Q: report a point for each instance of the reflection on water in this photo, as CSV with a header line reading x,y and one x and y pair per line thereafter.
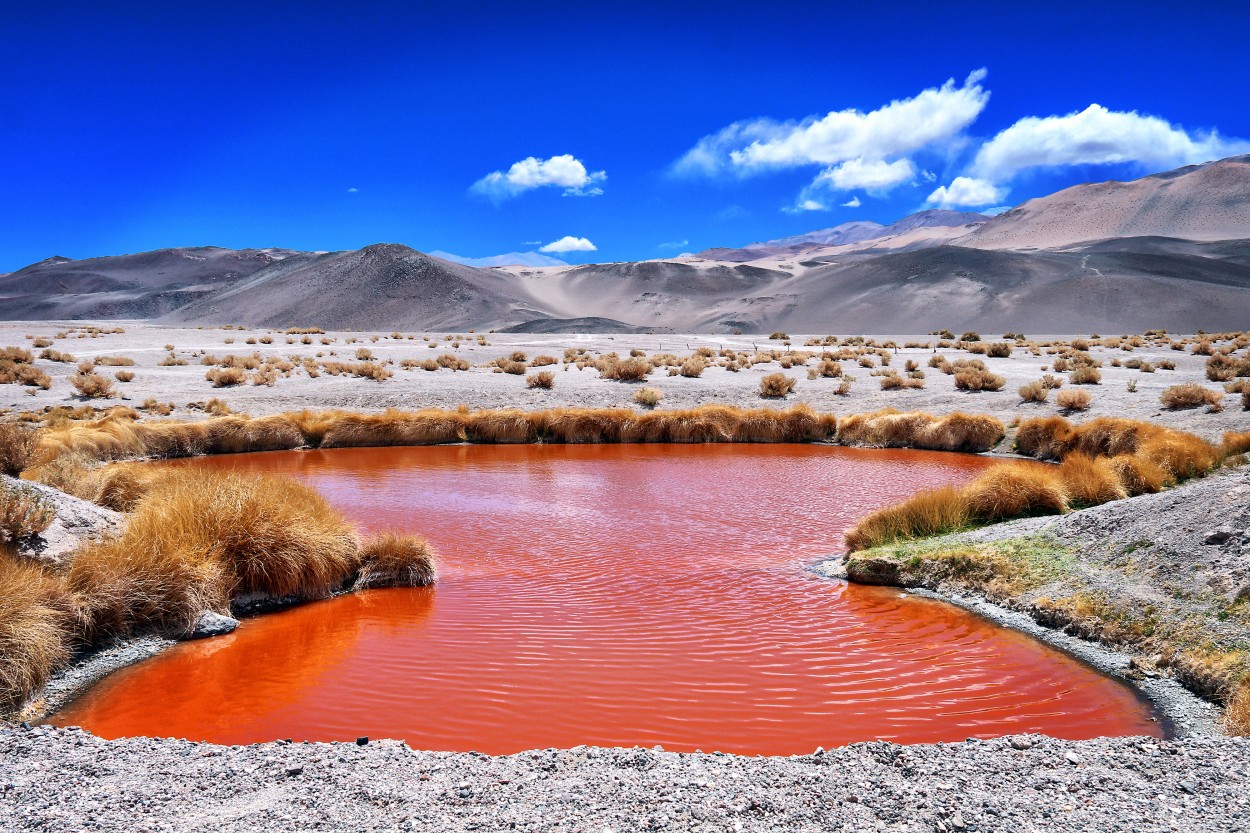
x,y
615,595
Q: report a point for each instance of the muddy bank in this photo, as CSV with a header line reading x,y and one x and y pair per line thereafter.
x,y
62,780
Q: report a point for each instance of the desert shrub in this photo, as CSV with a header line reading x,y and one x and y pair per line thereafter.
x,y
92,385
693,367
1073,400
32,377
1191,395
57,356
624,370
893,381
224,377
998,350
648,397
172,361
23,511
1013,490
544,379
978,379
915,429
364,354
779,336
776,385
395,559
115,361
970,336
36,630
18,447
1084,374
543,361
203,538
1034,391
124,376
16,355
514,368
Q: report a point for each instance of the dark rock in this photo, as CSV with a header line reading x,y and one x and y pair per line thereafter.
x,y
1219,536
294,770
211,624
362,741
873,571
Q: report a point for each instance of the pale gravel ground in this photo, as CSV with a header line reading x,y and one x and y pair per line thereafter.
x,y
66,780
480,388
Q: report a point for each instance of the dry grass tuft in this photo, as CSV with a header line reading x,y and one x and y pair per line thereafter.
x,y
36,630
1074,400
1192,395
1036,391
1090,481
931,512
18,446
648,397
624,370
915,429
394,559
777,385
23,511
92,385
977,379
1013,490
1237,710
544,379
203,538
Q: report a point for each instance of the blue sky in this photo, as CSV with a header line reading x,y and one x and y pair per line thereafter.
x,y
649,129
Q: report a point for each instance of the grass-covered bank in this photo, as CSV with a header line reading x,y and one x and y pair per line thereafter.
x,y
1159,575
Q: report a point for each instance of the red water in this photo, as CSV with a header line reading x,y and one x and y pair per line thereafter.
x,y
615,595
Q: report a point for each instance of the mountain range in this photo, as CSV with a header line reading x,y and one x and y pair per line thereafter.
x,y
1170,250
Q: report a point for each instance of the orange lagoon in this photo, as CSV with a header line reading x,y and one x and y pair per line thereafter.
x,y
615,595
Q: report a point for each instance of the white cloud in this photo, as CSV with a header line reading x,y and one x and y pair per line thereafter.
x,y
898,128
353,190
563,171
967,191
676,244
1098,136
568,243
871,175
805,204
853,202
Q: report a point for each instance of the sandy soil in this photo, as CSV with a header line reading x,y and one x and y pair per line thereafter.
x,y
482,388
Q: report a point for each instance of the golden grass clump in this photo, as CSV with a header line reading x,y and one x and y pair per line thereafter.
x,y
36,630
224,377
1192,395
624,370
18,447
1012,490
891,429
395,559
543,379
1035,391
930,512
91,385
203,538
1090,481
23,511
1237,710
1073,400
333,429
776,385
978,379
648,397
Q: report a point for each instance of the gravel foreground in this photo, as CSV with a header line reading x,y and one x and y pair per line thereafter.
x,y
69,780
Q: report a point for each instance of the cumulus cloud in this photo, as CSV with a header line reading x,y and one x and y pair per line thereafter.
x,y
871,175
564,171
898,128
853,202
806,204
967,191
1098,136
568,243
676,244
